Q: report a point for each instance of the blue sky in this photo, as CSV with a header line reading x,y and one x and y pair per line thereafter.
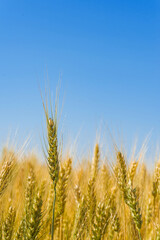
x,y
107,55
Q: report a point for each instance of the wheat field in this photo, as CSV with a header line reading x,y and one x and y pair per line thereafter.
x,y
95,199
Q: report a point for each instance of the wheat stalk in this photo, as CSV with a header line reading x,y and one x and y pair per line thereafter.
x,y
52,156
128,192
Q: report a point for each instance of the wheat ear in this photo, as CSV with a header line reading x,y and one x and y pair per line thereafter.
x,y
9,224
62,185
52,160
128,192
80,220
101,221
34,222
6,173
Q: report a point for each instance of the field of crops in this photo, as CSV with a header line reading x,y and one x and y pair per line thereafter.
x,y
98,198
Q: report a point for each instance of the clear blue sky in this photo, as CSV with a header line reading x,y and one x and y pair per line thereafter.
x,y
107,54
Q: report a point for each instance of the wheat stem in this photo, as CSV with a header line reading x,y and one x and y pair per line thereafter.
x,y
53,214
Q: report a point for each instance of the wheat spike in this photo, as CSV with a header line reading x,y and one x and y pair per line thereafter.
x,y
6,173
8,225
78,231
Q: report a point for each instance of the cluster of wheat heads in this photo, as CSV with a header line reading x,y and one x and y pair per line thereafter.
x,y
97,199
94,199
